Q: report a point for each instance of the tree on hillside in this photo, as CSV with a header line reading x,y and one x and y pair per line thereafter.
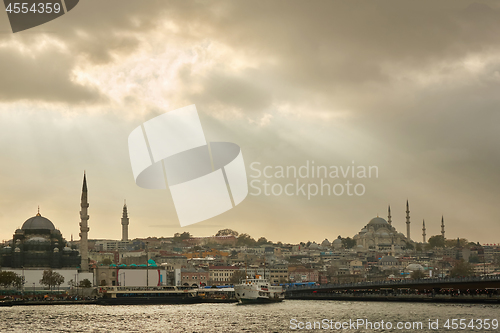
x,y
409,246
262,241
461,242
348,243
245,240
178,237
227,232
474,260
418,274
461,268
237,277
107,262
51,279
436,241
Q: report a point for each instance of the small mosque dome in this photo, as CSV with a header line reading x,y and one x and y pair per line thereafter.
x,y
414,267
388,259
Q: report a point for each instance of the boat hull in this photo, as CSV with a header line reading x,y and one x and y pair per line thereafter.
x,y
260,300
149,300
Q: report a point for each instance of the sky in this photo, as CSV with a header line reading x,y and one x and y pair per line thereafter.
x,y
409,87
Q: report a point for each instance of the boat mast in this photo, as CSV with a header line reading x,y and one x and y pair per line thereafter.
x,y
264,266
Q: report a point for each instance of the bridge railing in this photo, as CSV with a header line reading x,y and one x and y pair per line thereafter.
x,y
395,282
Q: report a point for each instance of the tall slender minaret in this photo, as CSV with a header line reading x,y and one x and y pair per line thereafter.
x,y
125,223
84,229
442,227
423,231
389,216
407,221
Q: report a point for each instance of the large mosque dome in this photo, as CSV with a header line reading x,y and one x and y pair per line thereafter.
x,y
378,221
38,222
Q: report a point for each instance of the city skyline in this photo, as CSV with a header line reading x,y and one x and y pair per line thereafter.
x,y
287,81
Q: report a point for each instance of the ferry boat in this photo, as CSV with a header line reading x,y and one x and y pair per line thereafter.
x,y
150,295
258,290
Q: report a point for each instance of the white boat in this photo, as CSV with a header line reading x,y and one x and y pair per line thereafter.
x,y
258,291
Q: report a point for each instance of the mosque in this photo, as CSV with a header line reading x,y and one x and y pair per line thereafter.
x,y
379,234
38,244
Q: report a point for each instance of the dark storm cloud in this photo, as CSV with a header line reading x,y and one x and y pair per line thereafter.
x,y
44,77
320,46
398,69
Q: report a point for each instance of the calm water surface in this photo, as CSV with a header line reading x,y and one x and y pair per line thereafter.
x,y
232,317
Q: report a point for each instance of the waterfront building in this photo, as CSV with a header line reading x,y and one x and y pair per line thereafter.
x,y
221,275
278,273
302,274
194,277
38,244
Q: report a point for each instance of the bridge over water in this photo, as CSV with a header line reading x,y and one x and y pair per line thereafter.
x,y
467,290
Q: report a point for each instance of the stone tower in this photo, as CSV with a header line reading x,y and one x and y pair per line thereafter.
x,y
125,223
407,221
423,231
84,229
442,227
389,220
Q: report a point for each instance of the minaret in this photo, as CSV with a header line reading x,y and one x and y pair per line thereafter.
x,y
84,229
125,223
407,221
389,216
442,227
423,230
